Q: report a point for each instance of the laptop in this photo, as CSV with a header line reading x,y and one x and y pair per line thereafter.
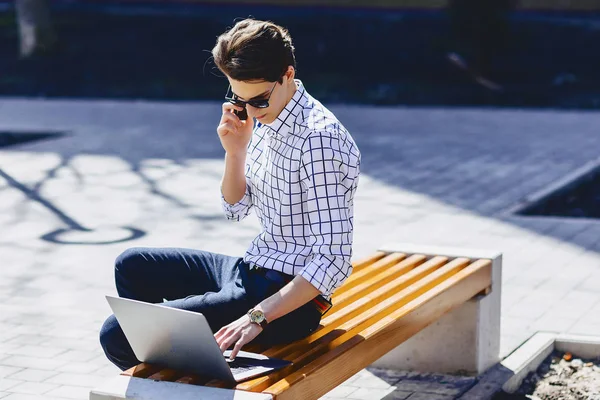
x,y
183,340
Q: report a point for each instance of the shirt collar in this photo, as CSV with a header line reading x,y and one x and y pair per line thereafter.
x,y
291,115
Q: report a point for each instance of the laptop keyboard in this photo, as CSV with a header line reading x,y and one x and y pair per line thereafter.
x,y
238,368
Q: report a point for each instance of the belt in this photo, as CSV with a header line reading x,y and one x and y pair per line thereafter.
x,y
321,303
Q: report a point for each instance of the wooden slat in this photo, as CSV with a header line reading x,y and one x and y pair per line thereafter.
x,y
357,266
142,370
363,320
334,320
168,375
365,262
335,366
219,384
193,379
375,281
358,276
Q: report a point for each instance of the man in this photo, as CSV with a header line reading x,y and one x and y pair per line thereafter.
x,y
298,168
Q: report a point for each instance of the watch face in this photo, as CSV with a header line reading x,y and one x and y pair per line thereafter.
x,y
257,316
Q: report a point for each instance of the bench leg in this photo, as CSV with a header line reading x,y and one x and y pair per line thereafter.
x,y
466,340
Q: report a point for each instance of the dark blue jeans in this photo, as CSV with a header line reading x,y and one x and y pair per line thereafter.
x,y
221,287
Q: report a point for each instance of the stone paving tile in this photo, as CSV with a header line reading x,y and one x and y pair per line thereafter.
x,y
88,368
7,383
169,189
70,392
429,396
342,391
107,370
436,383
39,351
6,371
367,393
32,362
86,344
21,396
27,339
82,380
552,323
398,395
585,327
77,356
33,375
37,388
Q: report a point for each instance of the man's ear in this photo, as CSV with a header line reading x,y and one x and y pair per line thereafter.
x,y
290,74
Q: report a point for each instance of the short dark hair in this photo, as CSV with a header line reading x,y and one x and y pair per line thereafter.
x,y
254,50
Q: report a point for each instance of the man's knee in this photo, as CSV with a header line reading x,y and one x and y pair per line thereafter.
x,y
111,335
131,259
115,345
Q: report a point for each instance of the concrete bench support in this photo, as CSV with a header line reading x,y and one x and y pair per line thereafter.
x,y
466,339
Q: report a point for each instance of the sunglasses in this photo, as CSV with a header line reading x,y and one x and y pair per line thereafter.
x,y
256,103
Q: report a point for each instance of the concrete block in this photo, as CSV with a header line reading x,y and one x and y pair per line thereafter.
x,y
582,346
527,358
466,339
125,387
509,374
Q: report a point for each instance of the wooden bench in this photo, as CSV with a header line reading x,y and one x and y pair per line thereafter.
x,y
405,307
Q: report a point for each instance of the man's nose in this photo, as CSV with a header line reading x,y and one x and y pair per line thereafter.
x,y
253,111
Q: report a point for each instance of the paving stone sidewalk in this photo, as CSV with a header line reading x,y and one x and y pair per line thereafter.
x,y
430,176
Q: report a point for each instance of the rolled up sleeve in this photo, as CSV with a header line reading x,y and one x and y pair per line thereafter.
x,y
241,209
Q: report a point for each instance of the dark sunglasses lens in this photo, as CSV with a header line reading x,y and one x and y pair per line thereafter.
x,y
259,103
237,102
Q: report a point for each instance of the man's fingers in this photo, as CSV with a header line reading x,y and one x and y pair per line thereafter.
x,y
238,346
228,340
220,333
231,117
225,128
229,107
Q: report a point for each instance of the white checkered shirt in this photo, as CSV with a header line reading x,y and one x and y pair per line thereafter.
x,y
301,175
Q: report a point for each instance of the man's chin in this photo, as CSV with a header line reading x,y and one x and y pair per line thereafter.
x,y
265,120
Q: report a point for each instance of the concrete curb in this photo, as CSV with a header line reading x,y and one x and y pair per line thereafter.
x,y
562,183
510,373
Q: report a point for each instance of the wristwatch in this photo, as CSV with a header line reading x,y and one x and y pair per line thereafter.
x,y
258,317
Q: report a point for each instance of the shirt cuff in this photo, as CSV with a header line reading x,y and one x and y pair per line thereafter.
x,y
239,210
318,274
